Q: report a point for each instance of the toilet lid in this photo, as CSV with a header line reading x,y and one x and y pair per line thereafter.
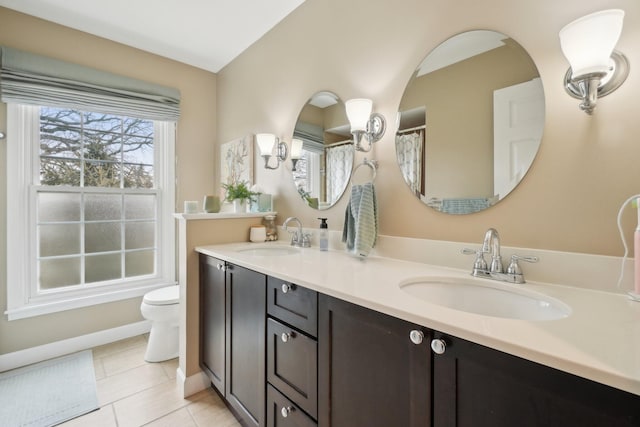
x,y
163,296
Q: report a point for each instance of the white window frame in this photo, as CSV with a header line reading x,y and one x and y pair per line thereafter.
x,y
23,138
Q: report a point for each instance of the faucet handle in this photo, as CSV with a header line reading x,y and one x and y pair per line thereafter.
x,y
514,267
480,264
305,240
294,237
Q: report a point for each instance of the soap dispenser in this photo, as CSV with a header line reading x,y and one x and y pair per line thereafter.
x,y
323,236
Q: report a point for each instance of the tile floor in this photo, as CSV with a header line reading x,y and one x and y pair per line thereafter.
x,y
135,393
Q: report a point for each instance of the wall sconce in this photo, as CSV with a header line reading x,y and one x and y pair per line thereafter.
x,y
596,69
364,122
296,152
266,142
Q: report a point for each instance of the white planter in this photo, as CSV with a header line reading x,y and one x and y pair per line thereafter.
x,y
239,206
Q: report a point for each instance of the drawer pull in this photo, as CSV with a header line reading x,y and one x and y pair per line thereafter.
x,y
221,267
286,410
286,288
286,336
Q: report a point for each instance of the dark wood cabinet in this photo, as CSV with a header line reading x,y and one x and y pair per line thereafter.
x,y
475,386
286,356
245,344
212,320
370,373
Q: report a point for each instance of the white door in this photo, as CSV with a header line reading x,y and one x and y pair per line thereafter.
x,y
518,120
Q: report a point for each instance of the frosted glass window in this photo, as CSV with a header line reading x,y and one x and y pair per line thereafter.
x,y
102,237
104,267
59,239
58,207
102,207
139,235
58,272
138,206
139,263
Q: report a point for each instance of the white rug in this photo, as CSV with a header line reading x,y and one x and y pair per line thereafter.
x,y
48,393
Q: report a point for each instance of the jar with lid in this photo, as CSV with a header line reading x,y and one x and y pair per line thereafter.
x,y
269,222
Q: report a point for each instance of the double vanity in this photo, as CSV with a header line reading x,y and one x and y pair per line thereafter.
x,y
299,337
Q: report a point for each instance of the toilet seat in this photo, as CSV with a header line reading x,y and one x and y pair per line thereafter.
x,y
163,296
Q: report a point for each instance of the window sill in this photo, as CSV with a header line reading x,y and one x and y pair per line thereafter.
x,y
71,303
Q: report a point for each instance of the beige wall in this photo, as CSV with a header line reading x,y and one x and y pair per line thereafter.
x,y
586,166
195,156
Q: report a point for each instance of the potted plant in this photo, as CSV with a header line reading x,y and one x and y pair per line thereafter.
x,y
239,194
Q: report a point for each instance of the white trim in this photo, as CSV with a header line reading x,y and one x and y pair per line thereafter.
x,y
71,345
22,127
76,301
192,384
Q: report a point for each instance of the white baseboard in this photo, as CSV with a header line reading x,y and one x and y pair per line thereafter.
x,y
192,384
71,345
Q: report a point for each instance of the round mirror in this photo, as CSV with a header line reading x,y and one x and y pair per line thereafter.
x,y
322,151
470,122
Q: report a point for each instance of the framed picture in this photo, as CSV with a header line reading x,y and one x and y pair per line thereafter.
x,y
236,161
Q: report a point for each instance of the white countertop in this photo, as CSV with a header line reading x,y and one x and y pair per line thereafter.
x,y
600,340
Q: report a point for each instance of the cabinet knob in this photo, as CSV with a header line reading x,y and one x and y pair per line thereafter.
x,y
286,336
221,267
286,410
439,346
416,336
286,288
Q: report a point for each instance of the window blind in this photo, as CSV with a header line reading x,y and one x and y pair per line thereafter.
x,y
312,137
27,78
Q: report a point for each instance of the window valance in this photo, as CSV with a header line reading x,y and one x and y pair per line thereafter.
x,y
27,78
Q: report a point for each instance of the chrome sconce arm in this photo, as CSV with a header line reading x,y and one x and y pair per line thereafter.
x,y
266,143
592,86
364,123
596,68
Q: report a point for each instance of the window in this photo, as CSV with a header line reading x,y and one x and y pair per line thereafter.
x,y
97,190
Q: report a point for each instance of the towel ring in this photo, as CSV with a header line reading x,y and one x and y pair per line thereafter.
x,y
373,164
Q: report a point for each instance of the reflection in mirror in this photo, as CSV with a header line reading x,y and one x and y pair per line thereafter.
x,y
322,172
470,122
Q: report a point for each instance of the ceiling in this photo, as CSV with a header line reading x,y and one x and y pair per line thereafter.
x,y
207,34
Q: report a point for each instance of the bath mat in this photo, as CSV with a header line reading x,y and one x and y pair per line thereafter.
x,y
48,393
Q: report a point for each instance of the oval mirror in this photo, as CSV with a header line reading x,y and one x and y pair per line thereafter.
x,y
470,122
322,151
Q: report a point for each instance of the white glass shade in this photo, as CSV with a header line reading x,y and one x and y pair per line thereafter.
x,y
588,42
358,112
265,142
296,149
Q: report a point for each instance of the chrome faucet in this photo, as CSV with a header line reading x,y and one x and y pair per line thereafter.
x,y
298,238
491,245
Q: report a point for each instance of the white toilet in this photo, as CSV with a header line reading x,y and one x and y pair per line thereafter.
x,y
161,307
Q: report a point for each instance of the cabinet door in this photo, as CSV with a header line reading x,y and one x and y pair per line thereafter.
x,y
475,386
212,320
370,373
246,316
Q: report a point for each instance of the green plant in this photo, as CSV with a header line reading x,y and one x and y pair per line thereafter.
x,y
239,191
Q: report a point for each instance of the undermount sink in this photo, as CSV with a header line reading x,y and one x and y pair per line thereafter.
x,y
489,299
278,250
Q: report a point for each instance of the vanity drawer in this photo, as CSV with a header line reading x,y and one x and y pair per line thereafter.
x,y
292,365
281,412
294,305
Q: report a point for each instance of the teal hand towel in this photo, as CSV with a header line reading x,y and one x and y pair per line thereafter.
x,y
360,230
